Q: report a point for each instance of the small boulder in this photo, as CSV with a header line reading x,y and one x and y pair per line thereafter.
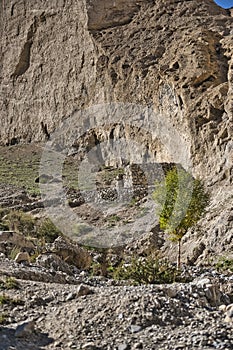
x,y
83,290
222,307
54,262
25,329
229,314
135,328
228,311
16,239
123,346
71,253
22,257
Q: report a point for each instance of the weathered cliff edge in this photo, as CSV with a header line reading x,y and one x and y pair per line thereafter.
x,y
174,56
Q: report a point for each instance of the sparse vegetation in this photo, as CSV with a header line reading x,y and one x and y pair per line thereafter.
x,y
133,202
113,219
101,265
9,283
6,300
108,174
142,211
70,173
19,221
48,231
149,270
19,167
44,229
3,318
224,264
37,231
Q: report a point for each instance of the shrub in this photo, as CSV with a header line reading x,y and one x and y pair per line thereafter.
x,y
9,283
3,225
48,231
100,263
19,221
147,271
3,318
224,264
6,300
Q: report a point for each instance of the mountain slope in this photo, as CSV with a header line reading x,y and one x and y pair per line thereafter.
x,y
174,57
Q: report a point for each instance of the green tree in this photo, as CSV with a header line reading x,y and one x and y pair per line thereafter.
x,y
181,201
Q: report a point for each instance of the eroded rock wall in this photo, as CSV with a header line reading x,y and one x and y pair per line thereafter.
x,y
47,66
174,56
178,55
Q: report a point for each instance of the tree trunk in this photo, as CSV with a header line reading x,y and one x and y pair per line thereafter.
x,y
179,254
104,264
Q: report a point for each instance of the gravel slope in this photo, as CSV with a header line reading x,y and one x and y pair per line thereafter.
x,y
96,313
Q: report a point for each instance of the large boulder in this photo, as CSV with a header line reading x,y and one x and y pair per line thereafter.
x,y
71,253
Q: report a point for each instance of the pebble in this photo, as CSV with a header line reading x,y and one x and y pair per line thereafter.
x,y
135,328
89,346
123,346
229,313
71,296
83,290
137,346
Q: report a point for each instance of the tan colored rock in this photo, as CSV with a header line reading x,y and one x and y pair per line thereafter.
x,y
36,52
53,261
16,239
229,313
71,253
171,292
104,14
25,329
22,257
175,56
83,290
222,307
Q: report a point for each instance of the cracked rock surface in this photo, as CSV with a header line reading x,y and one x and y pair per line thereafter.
x,y
158,74
173,57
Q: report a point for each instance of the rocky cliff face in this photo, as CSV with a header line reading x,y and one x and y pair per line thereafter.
x,y
174,57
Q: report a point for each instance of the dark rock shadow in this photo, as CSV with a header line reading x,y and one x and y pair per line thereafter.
x,y
36,340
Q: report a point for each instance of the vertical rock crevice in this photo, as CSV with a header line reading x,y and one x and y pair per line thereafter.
x,y
25,55
24,60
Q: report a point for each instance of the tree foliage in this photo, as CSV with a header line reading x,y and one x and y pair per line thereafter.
x,y
181,201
